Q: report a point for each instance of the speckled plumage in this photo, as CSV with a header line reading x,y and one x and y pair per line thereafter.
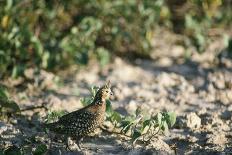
x,y
84,121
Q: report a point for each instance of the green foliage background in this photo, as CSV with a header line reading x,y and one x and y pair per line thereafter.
x,y
56,33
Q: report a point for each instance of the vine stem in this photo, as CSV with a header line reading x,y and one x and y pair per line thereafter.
x,y
34,107
152,136
122,134
114,132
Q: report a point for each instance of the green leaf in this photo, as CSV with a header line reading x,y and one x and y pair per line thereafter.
x,y
3,93
9,106
54,115
138,111
108,108
136,135
86,101
164,128
125,124
40,149
45,59
82,58
9,4
94,90
103,56
171,118
126,129
12,150
146,125
116,117
229,48
159,118
17,70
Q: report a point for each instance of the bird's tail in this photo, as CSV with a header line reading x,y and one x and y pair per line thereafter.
x,y
54,127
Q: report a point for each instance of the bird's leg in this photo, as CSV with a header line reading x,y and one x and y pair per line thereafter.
x,y
73,144
68,141
70,144
78,141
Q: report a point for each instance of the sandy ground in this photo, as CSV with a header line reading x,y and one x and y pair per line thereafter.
x,y
198,91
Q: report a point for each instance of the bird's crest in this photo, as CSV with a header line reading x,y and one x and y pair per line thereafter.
x,y
107,84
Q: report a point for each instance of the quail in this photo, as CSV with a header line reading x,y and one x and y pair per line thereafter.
x,y
82,122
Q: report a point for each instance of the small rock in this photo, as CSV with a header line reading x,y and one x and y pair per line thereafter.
x,y
140,151
72,145
118,95
192,139
160,145
224,96
132,106
202,111
180,122
226,115
165,80
218,139
177,51
219,81
230,108
29,73
3,127
54,102
145,94
165,61
193,121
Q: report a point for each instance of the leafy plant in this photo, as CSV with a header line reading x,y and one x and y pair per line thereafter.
x,y
54,34
197,19
141,127
13,150
7,106
40,149
54,115
46,33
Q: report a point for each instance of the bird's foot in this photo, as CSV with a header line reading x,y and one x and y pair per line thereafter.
x,y
78,141
72,146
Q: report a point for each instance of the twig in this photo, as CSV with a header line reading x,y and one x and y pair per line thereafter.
x,y
146,132
114,132
153,134
120,133
34,107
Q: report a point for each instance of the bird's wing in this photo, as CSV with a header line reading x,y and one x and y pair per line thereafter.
x,y
73,114
73,123
76,116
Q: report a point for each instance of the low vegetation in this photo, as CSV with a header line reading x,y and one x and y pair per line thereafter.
x,y
54,34
138,126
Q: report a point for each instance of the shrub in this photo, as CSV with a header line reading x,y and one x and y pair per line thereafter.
x,y
197,19
49,34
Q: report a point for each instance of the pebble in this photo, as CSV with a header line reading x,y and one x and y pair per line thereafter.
x,y
3,127
193,121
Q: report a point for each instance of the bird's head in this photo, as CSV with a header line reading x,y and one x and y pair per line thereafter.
x,y
104,92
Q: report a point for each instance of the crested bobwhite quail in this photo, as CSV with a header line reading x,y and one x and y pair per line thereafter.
x,y
82,122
